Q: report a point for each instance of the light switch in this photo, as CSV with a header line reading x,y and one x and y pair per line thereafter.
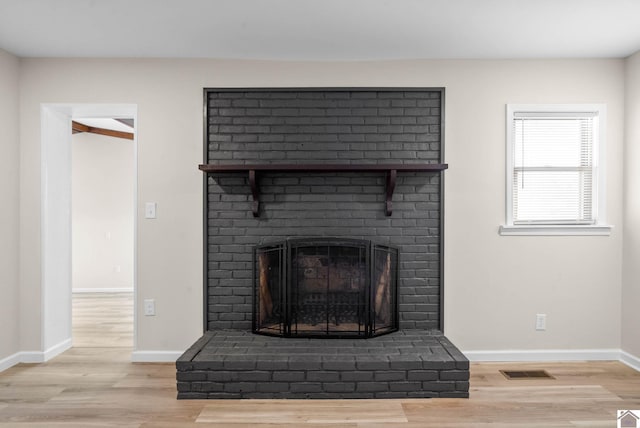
x,y
150,210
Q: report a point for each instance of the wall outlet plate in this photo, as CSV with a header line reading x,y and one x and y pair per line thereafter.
x,y
149,307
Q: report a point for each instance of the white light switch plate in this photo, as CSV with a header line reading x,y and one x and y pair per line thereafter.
x,y
150,210
541,322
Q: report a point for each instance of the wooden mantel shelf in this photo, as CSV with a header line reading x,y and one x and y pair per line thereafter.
x,y
390,169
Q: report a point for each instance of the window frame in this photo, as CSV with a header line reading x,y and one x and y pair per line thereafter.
x,y
600,226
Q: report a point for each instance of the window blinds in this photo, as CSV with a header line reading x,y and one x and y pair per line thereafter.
x,y
553,175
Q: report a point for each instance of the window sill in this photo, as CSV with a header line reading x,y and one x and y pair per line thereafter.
x,y
560,230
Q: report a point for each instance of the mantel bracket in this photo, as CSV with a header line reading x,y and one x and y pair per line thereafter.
x,y
253,183
391,187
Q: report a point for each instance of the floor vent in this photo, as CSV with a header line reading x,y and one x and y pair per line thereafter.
x,y
526,374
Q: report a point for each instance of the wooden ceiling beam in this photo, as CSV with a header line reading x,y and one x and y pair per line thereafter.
x,y
79,127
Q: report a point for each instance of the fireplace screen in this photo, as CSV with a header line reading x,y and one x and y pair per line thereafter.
x,y
325,287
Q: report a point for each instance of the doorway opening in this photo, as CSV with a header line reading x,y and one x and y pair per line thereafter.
x,y
57,221
102,231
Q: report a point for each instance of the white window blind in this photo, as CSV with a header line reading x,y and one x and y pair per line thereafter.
x,y
554,169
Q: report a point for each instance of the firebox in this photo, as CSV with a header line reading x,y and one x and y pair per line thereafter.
x,y
325,287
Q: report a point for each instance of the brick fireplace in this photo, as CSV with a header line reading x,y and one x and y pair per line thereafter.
x,y
367,171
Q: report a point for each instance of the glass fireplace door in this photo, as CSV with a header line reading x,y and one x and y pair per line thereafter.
x,y
328,284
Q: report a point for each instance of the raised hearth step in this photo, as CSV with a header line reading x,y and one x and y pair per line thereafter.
x,y
404,364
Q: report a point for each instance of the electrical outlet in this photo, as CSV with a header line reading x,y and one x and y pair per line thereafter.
x,y
541,322
149,307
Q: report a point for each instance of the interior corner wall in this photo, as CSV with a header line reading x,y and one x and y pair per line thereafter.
x,y
9,218
102,213
631,267
493,285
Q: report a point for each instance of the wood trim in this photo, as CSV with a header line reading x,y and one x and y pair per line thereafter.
x,y
79,127
391,187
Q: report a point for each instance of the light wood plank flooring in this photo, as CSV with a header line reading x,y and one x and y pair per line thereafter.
x,y
98,387
102,320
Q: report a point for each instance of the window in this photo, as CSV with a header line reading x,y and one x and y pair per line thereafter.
x,y
555,170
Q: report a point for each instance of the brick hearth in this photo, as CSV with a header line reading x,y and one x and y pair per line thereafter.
x,y
405,364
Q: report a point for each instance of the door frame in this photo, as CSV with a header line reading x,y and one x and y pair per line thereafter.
x,y
55,198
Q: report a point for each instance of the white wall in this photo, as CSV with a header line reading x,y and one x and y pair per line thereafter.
x,y
102,212
494,285
9,219
631,271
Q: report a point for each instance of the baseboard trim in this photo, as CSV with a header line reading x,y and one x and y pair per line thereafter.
x,y
10,361
474,356
32,357
155,356
545,355
102,290
58,349
630,360
35,357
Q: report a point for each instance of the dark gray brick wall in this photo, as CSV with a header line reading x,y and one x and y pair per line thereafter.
x,y
312,126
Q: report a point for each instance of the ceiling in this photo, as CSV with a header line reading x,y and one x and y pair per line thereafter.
x,y
122,125
320,30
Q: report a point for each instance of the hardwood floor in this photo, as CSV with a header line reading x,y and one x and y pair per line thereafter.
x,y
94,386
102,320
